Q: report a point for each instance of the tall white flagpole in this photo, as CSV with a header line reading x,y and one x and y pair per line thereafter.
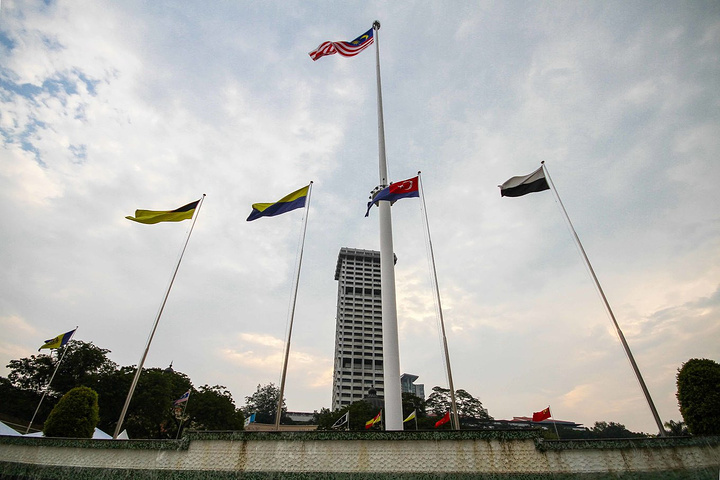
x,y
50,381
391,355
453,403
154,328
609,310
278,414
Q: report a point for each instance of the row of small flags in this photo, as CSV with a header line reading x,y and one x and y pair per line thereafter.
x,y
62,339
537,417
514,187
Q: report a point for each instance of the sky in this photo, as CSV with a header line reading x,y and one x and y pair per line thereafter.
x,y
107,107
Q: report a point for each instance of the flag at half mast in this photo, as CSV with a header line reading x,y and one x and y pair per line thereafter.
x,y
286,204
150,217
346,49
395,191
522,185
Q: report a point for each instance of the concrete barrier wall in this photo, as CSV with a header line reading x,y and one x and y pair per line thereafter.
x,y
496,455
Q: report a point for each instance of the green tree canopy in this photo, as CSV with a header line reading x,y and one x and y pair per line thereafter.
x,y
698,394
213,408
150,414
676,429
613,430
263,403
470,409
75,415
82,364
360,412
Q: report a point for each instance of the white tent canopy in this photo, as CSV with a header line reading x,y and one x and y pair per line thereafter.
x,y
5,430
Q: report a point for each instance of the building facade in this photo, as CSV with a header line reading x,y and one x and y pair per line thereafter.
x,y
358,331
408,385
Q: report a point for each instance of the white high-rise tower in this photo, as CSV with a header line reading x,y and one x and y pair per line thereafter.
x,y
358,332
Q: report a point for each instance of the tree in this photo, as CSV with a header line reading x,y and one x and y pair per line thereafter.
x,y
698,394
676,429
470,409
31,373
613,430
360,412
413,403
75,415
212,408
263,403
82,364
150,414
21,404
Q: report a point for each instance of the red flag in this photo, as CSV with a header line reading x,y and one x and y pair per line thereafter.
x,y
443,420
542,415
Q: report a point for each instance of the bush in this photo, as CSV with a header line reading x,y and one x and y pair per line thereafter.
x,y
698,394
75,416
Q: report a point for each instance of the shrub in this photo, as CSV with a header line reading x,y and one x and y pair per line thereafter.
x,y
75,415
698,394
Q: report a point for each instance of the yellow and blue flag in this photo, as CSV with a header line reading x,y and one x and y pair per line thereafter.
x,y
58,341
289,202
150,217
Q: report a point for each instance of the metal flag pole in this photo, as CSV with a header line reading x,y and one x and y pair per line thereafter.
x,y
155,325
182,415
278,414
554,423
453,403
607,307
67,345
391,355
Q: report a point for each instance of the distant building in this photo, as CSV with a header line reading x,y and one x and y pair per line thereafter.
x,y
358,331
304,417
408,385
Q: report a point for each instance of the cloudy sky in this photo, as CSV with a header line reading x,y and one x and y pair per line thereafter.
x,y
111,106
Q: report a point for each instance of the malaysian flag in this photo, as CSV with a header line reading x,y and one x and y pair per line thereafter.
x,y
346,49
182,399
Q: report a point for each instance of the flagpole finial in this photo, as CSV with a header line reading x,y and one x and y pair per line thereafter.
x,y
376,25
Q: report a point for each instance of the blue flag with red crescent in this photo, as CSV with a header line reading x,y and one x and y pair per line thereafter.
x,y
395,191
